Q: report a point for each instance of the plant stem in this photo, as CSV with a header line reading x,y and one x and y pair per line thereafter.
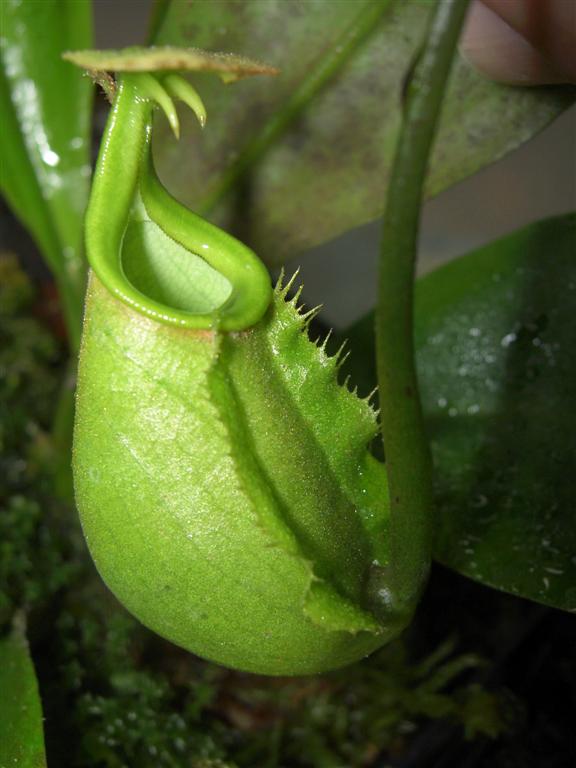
x,y
71,292
62,428
408,460
157,15
329,66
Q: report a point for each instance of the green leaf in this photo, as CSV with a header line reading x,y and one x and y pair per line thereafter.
x,y
45,137
309,154
496,338
21,734
496,333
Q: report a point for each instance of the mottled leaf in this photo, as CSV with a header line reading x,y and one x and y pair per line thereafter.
x,y
21,734
496,334
309,154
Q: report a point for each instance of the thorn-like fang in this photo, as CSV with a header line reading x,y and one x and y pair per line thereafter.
x,y
284,290
324,343
179,88
342,359
371,395
308,316
153,90
339,352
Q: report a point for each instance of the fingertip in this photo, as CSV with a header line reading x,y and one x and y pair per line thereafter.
x,y
499,52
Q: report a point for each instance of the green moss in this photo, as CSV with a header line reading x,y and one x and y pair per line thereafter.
x,y
134,700
35,558
128,701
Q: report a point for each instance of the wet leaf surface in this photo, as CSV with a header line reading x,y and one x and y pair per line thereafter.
x,y
45,136
496,333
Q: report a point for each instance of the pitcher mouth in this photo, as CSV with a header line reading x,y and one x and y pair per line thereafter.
x,y
148,250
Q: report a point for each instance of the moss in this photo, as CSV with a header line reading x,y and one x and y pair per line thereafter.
x,y
35,558
137,700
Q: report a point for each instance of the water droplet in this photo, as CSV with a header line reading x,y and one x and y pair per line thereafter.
x,y
50,157
510,338
386,597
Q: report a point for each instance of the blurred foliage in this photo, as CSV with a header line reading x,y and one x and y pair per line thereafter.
x,y
46,107
127,712
21,733
34,554
310,153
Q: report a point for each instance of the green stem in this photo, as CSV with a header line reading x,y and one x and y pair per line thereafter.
x,y
71,291
407,452
156,19
62,428
330,65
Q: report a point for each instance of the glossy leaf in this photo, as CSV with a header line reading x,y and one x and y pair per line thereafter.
x,y
21,734
496,334
45,137
316,143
